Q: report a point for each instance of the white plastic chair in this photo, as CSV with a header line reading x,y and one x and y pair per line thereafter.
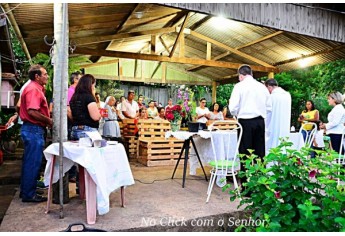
x,y
310,134
225,163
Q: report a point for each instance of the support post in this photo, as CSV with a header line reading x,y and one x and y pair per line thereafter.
x,y
271,75
214,91
60,84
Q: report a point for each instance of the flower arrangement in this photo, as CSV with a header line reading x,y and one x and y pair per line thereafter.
x,y
174,114
185,99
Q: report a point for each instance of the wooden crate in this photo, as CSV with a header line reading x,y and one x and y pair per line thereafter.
x,y
154,149
132,144
129,127
121,127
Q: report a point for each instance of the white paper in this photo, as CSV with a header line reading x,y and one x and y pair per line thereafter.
x,y
10,125
94,135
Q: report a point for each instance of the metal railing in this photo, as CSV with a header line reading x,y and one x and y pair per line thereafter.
x,y
9,94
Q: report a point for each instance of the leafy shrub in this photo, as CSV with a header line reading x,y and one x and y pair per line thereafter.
x,y
295,194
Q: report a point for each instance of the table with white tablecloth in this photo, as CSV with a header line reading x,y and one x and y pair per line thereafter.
x,y
297,140
205,150
203,145
108,167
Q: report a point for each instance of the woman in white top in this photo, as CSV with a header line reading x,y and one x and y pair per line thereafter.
x,y
336,118
202,111
152,111
215,113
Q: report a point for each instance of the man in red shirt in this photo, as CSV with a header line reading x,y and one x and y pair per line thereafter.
x,y
34,112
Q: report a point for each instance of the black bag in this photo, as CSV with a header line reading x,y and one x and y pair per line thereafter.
x,y
76,228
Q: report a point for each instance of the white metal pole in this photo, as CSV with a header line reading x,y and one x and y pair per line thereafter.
x,y
60,61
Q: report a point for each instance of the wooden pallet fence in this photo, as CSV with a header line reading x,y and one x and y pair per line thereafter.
x,y
128,133
154,149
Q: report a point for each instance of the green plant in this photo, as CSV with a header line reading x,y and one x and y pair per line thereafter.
x,y
10,134
295,194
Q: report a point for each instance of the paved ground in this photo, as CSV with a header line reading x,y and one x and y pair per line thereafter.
x,y
153,203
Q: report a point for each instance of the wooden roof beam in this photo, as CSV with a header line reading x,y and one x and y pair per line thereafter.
x,y
164,44
107,38
243,46
13,21
193,61
233,50
329,50
127,18
180,34
102,63
200,22
152,80
179,16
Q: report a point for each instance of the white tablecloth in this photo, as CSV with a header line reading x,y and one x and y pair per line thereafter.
x,y
107,166
204,146
297,140
202,141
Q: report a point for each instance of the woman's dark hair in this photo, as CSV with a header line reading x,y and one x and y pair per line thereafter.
x,y
212,107
73,76
84,86
159,109
312,106
202,99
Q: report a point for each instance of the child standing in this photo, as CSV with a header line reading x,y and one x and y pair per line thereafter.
x,y
318,143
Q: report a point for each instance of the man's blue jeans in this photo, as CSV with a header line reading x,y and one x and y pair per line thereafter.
x,y
33,139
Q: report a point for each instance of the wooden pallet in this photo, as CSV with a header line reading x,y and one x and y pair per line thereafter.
x,y
154,149
121,127
132,146
129,127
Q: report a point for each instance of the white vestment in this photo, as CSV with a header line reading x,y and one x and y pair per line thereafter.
x,y
278,122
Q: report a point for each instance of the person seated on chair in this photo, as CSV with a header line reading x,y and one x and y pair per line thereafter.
x,y
143,113
152,111
215,113
318,143
161,114
309,115
203,114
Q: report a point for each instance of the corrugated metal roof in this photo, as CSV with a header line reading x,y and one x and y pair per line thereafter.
x,y
90,20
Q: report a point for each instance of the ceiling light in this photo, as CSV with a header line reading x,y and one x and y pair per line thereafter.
x,y
304,62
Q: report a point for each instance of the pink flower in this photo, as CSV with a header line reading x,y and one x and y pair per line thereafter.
x,y
277,194
312,173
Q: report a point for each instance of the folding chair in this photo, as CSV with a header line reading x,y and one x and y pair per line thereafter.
x,y
310,134
226,161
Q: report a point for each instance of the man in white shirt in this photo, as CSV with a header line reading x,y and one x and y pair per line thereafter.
x,y
250,103
129,107
280,118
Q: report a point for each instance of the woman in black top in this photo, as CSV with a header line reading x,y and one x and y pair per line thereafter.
x,y
84,109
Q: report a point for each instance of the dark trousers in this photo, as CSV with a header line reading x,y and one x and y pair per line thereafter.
x,y
253,137
336,141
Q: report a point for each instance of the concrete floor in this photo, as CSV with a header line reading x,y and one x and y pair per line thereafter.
x,y
154,203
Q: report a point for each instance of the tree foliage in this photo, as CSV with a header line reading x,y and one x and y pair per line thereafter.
x,y
313,83
45,60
